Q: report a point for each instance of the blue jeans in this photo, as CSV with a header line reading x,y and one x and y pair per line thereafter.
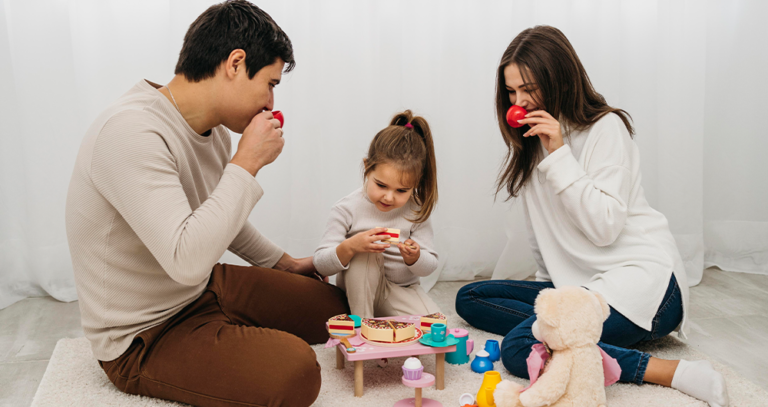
x,y
505,307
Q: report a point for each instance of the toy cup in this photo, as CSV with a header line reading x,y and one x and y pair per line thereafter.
x,y
438,332
279,116
492,347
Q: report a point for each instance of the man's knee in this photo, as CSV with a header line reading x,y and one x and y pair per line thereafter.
x,y
296,377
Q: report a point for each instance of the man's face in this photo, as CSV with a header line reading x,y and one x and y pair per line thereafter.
x,y
246,97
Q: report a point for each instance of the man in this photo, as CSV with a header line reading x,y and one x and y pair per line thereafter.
x,y
154,202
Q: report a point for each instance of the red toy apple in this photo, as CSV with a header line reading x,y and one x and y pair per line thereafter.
x,y
514,114
279,116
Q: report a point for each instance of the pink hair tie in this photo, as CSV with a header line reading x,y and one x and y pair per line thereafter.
x,y
408,126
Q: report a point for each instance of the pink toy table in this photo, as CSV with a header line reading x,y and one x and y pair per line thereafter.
x,y
365,351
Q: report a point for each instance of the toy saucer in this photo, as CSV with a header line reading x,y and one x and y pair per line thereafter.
x,y
450,340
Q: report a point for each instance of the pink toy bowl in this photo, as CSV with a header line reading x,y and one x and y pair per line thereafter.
x,y
412,374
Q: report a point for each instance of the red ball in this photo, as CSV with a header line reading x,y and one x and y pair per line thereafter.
x,y
514,114
279,116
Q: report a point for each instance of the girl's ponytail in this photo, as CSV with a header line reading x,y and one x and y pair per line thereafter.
x,y
426,193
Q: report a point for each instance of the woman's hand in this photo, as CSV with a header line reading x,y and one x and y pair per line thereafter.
x,y
409,255
546,127
362,242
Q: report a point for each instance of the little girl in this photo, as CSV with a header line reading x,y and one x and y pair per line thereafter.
x,y
589,224
399,192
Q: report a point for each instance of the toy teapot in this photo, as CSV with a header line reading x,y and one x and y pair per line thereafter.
x,y
463,348
485,394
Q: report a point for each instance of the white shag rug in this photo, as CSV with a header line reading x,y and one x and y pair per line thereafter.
x,y
74,378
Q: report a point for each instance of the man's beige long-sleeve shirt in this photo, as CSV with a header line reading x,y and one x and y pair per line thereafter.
x,y
151,207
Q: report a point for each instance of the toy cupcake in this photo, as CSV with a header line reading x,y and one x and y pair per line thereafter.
x,y
412,369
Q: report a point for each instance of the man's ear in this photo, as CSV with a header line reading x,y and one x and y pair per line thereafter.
x,y
235,64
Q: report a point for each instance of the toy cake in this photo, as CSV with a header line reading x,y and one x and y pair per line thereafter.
x,y
386,330
341,325
394,236
428,320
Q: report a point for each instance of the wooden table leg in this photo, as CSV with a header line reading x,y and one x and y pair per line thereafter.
x,y
418,397
358,378
339,358
440,371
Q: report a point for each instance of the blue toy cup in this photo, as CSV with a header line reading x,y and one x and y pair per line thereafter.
x,y
438,332
492,347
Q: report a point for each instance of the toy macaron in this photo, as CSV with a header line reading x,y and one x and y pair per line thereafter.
x,y
279,116
514,114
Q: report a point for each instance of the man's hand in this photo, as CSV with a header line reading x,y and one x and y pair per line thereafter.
x,y
302,266
362,242
261,143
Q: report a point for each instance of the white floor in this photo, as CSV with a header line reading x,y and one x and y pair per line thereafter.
x,y
728,315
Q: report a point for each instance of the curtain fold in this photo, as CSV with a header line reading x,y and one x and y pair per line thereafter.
x,y
690,73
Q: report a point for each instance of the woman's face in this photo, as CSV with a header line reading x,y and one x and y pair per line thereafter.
x,y
526,95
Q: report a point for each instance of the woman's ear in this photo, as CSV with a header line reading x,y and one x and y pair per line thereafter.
x,y
546,307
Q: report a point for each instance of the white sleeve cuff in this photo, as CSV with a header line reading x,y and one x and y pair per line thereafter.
x,y
561,169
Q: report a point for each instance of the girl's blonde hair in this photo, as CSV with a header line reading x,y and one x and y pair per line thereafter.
x,y
410,150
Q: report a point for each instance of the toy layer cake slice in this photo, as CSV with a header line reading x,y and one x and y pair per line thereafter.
x,y
428,320
394,236
381,330
341,325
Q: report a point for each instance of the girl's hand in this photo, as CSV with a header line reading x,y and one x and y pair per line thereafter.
x,y
546,127
409,255
362,242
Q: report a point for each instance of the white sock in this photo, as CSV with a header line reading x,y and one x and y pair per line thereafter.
x,y
698,379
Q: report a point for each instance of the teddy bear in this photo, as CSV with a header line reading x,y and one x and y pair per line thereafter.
x,y
569,322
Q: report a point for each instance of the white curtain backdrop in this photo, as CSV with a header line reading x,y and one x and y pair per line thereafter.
x,y
690,73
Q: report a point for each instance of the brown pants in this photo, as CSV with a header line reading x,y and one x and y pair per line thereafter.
x,y
242,343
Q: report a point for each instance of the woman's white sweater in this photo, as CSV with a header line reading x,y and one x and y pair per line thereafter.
x,y
590,225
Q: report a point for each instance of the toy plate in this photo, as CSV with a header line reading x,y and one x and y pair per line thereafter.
x,y
419,335
449,341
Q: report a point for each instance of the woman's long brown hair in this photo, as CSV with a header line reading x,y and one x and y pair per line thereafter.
x,y
545,57
411,151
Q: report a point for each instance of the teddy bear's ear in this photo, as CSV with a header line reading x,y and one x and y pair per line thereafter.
x,y
603,305
546,307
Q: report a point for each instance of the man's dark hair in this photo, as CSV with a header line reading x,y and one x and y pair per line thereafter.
x,y
225,27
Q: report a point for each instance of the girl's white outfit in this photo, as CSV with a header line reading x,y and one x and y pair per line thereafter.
x,y
590,225
378,285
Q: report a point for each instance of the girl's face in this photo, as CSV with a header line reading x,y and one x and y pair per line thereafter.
x,y
384,188
526,95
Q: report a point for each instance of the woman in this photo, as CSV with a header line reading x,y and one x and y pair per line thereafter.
x,y
577,170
